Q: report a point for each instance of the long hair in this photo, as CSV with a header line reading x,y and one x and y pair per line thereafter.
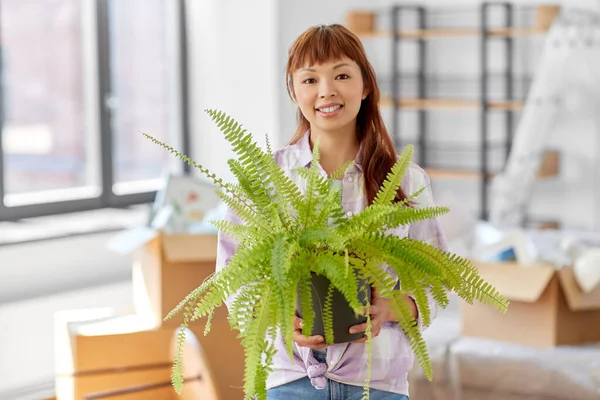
x,y
324,43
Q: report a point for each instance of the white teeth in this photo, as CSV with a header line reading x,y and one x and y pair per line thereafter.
x,y
330,109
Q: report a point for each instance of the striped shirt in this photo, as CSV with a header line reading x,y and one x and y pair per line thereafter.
x,y
392,356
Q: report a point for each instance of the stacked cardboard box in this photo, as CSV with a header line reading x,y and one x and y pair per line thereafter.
x,y
104,353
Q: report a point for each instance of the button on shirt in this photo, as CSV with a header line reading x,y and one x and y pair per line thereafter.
x,y
392,356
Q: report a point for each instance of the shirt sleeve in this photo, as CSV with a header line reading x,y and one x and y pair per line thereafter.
x,y
428,231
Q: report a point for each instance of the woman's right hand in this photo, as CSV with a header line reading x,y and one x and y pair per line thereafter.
x,y
313,342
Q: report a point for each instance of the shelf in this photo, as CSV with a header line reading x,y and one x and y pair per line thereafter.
x,y
420,104
549,168
438,173
454,32
447,146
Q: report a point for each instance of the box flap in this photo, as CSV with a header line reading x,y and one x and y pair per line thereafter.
x,y
129,240
182,247
517,282
577,300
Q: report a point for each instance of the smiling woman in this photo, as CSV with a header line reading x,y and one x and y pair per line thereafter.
x,y
334,88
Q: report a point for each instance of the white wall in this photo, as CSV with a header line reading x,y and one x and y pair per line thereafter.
x,y
571,199
233,69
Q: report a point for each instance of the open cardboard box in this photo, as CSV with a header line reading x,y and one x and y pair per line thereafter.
x,y
98,350
167,269
547,307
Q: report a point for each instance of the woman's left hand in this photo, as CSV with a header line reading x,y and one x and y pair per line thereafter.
x,y
381,312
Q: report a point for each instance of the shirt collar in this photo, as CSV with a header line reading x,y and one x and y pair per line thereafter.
x,y
305,153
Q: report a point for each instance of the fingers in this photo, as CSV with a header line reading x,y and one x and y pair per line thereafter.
x,y
373,310
313,342
376,324
297,323
375,329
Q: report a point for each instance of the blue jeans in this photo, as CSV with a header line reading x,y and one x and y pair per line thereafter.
x,y
302,389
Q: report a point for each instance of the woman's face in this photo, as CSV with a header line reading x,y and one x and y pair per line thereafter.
x,y
330,94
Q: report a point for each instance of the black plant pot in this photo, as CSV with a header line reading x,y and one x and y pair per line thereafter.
x,y
343,315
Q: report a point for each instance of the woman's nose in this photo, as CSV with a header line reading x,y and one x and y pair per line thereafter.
x,y
327,90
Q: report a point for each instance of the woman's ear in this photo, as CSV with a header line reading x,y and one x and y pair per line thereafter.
x,y
365,94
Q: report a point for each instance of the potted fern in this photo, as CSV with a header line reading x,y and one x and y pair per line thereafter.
x,y
289,237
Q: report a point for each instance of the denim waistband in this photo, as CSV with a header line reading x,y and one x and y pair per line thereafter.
x,y
320,356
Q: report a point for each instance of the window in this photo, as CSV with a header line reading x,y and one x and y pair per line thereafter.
x,y
80,81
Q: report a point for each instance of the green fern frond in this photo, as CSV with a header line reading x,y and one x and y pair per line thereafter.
x,y
328,315
317,188
268,145
255,345
369,349
177,376
319,237
333,267
245,212
338,173
391,184
290,233
406,215
217,181
306,304
235,231
211,314
283,249
250,181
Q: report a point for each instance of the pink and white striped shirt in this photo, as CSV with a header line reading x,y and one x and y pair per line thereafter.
x,y
392,356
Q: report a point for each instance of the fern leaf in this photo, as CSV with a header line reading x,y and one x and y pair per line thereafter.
x,y
281,263
334,268
255,345
369,348
338,173
388,190
235,231
328,315
306,304
268,144
211,314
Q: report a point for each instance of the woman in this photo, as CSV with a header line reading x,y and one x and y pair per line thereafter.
x,y
333,85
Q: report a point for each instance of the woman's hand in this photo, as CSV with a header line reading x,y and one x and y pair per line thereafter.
x,y
313,342
381,312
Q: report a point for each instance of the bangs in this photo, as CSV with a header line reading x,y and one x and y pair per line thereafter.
x,y
323,44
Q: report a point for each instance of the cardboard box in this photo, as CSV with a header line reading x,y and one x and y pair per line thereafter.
x,y
545,16
547,307
550,164
103,349
361,22
98,350
80,386
167,269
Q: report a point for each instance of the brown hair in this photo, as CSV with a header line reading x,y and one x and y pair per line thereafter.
x,y
325,43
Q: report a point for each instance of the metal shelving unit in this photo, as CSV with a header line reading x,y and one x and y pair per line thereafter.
x,y
423,104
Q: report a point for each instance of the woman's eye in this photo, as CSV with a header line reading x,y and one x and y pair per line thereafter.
x,y
309,80
343,76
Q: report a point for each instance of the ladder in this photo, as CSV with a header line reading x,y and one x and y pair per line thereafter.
x,y
573,40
